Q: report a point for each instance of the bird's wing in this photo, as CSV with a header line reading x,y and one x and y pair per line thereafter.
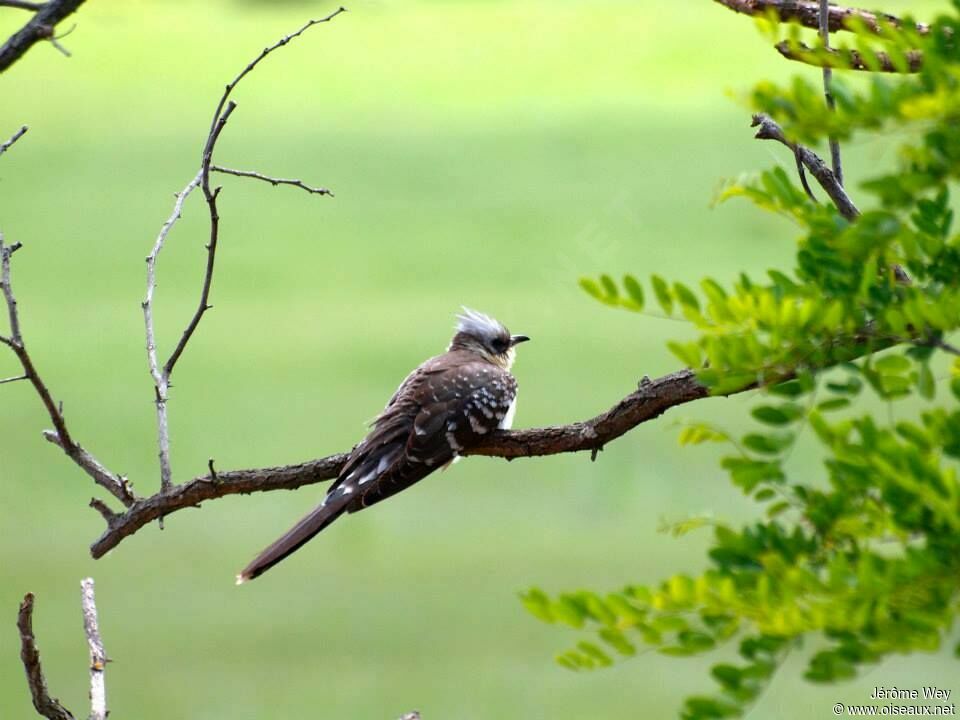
x,y
452,408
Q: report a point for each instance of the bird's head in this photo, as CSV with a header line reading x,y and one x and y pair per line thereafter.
x,y
485,336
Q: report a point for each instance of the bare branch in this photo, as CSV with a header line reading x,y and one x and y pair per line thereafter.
x,y
114,484
161,380
256,61
770,130
807,13
161,374
272,180
211,486
98,657
47,706
40,27
848,59
16,136
13,379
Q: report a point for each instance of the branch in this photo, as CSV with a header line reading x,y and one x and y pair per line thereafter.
x,y
272,180
16,136
116,485
40,27
807,13
651,399
770,130
161,380
848,59
98,656
47,706
161,375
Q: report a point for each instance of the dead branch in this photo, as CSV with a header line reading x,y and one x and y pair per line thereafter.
x,y
98,656
16,136
48,707
272,180
161,374
807,13
848,59
40,27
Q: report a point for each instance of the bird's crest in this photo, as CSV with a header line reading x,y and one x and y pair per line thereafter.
x,y
472,322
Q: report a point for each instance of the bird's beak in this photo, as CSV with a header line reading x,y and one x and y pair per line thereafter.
x,y
517,339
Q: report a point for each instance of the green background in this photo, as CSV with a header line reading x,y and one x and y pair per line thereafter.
x,y
482,153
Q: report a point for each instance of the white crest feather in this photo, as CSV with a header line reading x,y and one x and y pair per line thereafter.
x,y
477,324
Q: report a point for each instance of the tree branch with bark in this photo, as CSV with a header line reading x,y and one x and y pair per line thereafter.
x,y
41,26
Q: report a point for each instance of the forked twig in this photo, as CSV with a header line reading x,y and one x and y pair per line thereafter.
x,y
161,374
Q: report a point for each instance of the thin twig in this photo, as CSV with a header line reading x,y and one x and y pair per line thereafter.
x,y
848,59
161,380
40,27
16,136
48,707
827,92
98,657
272,180
14,379
161,374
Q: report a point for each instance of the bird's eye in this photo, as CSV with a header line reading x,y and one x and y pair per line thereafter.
x,y
499,345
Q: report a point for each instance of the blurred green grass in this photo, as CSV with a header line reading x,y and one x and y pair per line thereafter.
x,y
485,154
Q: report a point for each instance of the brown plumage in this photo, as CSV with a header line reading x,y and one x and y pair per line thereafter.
x,y
443,407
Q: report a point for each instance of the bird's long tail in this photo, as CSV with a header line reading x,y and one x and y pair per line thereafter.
x,y
333,506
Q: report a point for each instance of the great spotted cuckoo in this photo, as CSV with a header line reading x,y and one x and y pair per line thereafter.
x,y
443,407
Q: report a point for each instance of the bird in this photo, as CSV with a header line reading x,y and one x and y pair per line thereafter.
x,y
449,403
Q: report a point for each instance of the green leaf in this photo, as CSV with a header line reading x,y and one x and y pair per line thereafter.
x,y
609,286
618,641
688,353
591,287
777,415
634,290
662,291
769,444
537,604
594,653
699,434
686,297
833,404
790,389
926,385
